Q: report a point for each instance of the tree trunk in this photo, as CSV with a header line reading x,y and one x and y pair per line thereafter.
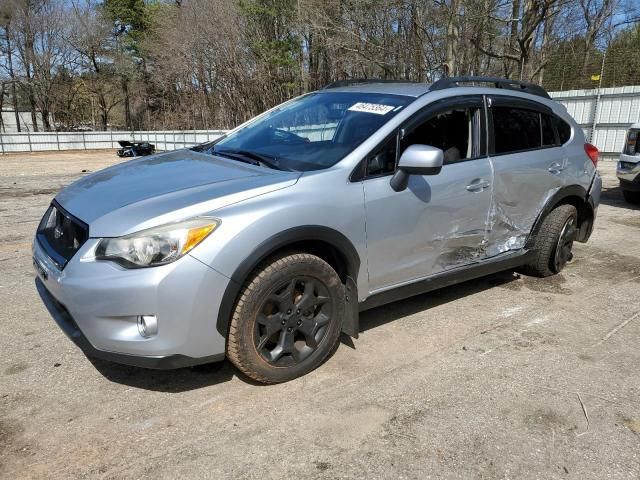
x,y
104,111
46,124
32,103
546,35
513,37
453,39
3,87
29,54
417,43
12,76
127,103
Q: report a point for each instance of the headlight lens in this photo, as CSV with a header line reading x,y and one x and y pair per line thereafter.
x,y
156,246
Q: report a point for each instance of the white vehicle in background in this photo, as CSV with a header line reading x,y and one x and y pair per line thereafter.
x,y
628,170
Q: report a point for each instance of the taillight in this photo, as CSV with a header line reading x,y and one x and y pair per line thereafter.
x,y
592,152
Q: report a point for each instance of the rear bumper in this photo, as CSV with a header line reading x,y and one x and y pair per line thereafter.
x,y
593,200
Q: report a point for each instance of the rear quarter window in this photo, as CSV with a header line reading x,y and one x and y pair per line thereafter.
x,y
564,130
548,132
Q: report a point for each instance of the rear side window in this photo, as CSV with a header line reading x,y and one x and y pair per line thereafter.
x,y
548,133
515,129
564,130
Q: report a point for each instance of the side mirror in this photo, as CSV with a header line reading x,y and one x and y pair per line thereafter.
x,y
417,160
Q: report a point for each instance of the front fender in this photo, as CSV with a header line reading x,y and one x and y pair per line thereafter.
x,y
280,241
318,208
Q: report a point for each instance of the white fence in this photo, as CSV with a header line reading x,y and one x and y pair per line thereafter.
x,y
44,141
611,111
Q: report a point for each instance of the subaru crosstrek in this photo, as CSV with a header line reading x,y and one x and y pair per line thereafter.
x,y
264,245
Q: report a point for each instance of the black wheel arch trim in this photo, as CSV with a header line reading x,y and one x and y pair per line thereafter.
x,y
586,207
279,241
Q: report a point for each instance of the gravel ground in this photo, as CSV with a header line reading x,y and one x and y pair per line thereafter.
x,y
503,377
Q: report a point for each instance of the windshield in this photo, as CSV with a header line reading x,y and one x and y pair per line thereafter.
x,y
311,132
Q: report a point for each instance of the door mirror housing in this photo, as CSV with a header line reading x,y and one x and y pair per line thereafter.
x,y
417,160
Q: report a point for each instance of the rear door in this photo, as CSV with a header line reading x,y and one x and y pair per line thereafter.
x,y
529,165
439,221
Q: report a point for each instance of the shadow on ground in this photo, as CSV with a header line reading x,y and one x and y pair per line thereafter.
x,y
171,381
613,196
387,313
186,379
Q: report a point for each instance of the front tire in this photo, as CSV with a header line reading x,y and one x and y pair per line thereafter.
x,y
553,243
287,319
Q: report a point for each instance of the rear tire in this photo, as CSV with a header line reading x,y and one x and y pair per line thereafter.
x,y
287,319
552,246
631,196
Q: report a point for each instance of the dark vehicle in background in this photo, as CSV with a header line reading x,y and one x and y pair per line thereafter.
x,y
130,149
628,170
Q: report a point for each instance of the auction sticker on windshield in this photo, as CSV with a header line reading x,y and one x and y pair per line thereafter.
x,y
376,108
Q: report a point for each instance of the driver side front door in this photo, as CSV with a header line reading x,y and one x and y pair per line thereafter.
x,y
440,221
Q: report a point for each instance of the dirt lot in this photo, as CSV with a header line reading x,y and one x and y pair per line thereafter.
x,y
504,377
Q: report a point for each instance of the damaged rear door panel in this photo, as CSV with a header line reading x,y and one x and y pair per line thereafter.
x,y
529,166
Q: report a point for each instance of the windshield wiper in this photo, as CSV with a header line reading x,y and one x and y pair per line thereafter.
x,y
253,158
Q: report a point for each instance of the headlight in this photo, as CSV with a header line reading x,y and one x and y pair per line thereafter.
x,y
156,246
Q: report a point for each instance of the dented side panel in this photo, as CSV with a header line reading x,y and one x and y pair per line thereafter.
x,y
436,224
523,183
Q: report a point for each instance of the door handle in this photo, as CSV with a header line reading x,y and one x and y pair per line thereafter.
x,y
477,185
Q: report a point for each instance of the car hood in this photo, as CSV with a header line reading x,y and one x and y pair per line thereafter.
x,y
164,188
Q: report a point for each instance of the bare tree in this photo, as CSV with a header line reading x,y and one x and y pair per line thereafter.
x,y
6,16
214,63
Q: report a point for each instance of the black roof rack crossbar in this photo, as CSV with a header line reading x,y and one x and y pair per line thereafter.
x,y
361,81
497,82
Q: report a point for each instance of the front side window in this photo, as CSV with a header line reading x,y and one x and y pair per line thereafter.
x,y
515,129
312,132
453,131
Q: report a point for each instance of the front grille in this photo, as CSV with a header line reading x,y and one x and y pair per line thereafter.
x,y
61,235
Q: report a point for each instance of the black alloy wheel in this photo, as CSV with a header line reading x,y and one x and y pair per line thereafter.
x,y
287,319
292,321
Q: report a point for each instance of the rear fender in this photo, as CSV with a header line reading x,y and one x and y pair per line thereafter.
x,y
574,195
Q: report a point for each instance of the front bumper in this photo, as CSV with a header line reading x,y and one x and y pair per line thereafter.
x,y
97,304
125,153
628,172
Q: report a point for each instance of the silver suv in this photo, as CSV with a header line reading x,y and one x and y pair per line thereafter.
x,y
264,245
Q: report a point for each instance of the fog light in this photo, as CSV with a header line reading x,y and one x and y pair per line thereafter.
x,y
147,325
